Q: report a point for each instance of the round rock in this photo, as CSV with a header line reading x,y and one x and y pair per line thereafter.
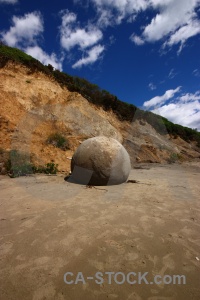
x,y
100,161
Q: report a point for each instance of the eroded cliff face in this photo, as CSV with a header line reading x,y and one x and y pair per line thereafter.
x,y
33,106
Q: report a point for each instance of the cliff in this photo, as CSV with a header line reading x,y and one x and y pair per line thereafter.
x,y
34,106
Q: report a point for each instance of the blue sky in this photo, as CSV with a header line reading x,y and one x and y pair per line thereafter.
x,y
146,52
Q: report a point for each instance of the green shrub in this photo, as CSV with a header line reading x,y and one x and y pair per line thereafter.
x,y
49,168
19,165
198,142
59,141
174,157
14,54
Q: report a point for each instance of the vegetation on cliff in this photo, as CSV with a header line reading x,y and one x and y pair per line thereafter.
x,y
94,94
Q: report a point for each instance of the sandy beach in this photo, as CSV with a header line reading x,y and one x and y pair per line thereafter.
x,y
50,227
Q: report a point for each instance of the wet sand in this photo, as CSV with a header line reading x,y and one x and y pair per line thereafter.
x,y
50,227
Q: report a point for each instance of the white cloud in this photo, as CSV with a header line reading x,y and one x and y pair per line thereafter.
x,y
8,1
186,114
45,58
127,6
159,100
72,35
172,74
24,34
86,39
136,39
185,32
183,110
190,97
68,17
105,18
112,12
172,15
132,18
175,21
92,56
25,30
196,73
152,86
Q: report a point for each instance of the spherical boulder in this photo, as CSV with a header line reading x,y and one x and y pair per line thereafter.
x,y
100,161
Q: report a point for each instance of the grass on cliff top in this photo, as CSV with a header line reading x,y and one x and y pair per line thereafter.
x,y
8,53
15,54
